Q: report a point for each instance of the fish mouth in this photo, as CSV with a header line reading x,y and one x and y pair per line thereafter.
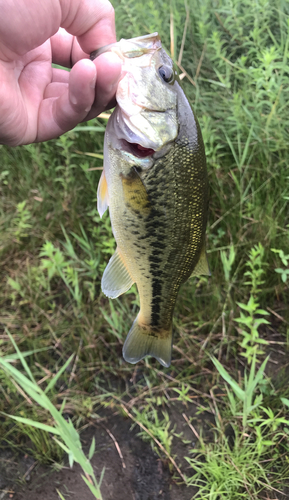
x,y
137,149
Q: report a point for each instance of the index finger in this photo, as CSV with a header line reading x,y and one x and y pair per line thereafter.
x,y
91,21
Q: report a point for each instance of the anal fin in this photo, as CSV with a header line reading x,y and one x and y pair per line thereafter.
x,y
116,278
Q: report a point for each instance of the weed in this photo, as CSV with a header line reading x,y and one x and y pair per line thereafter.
x,y
285,261
251,340
20,223
233,468
62,429
159,428
249,322
246,395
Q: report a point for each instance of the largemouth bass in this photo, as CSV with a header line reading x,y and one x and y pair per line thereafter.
x,y
155,185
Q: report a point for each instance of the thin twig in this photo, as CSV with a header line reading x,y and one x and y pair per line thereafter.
x,y
29,470
226,30
21,392
172,35
156,441
75,363
201,60
116,445
187,75
4,492
185,355
277,315
191,426
184,37
5,395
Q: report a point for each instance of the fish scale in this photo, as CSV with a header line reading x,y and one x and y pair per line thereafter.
x,y
157,199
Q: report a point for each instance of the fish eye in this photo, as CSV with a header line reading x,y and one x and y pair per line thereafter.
x,y
166,73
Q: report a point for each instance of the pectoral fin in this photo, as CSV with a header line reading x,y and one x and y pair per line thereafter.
x,y
102,195
202,266
116,278
135,193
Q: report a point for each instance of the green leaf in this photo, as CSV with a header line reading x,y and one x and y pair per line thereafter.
x,y
91,449
285,401
223,372
58,374
14,284
15,356
70,459
62,446
34,423
254,382
94,491
20,355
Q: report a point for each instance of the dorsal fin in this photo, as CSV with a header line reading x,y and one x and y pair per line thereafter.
x,y
202,266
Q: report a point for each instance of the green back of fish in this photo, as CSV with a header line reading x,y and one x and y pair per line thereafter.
x,y
177,187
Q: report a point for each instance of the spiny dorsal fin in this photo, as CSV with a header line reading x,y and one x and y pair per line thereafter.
x,y
202,266
116,278
102,195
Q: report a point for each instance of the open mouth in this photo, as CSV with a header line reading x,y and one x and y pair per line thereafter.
x,y
136,149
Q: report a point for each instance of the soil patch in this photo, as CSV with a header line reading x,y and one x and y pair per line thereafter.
x,y
139,475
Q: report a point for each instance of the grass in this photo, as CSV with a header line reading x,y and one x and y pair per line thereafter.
x,y
232,57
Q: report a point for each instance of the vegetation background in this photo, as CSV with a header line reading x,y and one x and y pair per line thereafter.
x,y
233,61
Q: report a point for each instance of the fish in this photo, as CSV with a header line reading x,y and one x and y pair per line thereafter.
x,y
155,184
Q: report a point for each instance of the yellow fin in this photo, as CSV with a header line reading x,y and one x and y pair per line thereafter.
x,y
102,195
116,278
135,193
140,343
202,266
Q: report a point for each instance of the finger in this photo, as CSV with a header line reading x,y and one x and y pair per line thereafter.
x,y
65,48
61,48
55,89
24,28
60,114
108,67
60,75
26,25
92,23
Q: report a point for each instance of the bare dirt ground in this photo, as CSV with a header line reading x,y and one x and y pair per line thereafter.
x,y
139,475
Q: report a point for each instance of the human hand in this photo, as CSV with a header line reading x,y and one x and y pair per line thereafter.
x,y
38,102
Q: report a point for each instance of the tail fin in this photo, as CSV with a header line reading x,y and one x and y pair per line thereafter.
x,y
140,343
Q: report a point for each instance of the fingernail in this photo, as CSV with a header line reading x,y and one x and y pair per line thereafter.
x,y
114,82
92,84
73,99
